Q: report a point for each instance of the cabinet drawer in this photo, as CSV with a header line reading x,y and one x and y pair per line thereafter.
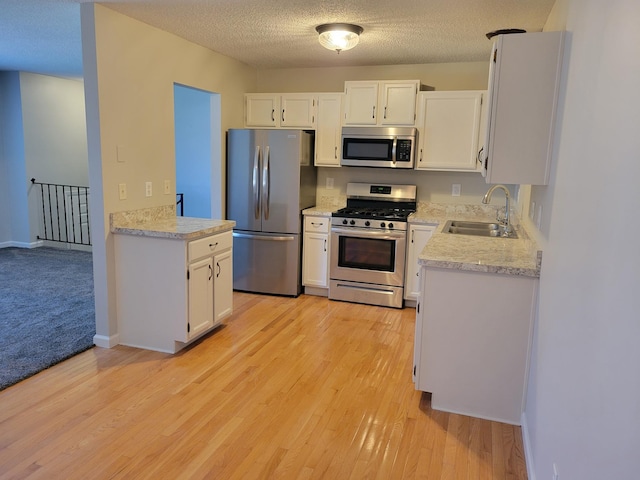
x,y
317,224
210,245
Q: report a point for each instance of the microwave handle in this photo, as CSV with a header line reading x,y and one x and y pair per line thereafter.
x,y
393,150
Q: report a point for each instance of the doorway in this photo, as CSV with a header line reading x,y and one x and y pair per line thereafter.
x,y
198,152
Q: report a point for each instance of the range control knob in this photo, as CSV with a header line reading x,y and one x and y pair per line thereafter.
x,y
391,225
344,222
367,223
382,225
352,222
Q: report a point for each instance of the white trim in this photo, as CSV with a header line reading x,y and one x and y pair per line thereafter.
x,y
475,415
106,342
528,454
9,244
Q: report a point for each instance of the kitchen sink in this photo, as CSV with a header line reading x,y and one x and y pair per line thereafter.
x,y
480,229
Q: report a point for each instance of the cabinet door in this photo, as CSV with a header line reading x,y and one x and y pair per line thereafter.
x,y
418,237
524,82
450,127
200,297
315,265
398,103
328,130
297,110
361,101
262,110
222,286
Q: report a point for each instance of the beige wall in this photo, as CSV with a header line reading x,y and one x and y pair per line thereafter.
x,y
441,76
130,70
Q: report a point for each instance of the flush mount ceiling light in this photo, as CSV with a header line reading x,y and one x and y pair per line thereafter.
x,y
339,36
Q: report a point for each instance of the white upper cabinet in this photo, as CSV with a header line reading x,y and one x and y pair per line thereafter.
x,y
361,103
398,103
273,110
524,80
297,110
262,110
449,126
328,130
380,103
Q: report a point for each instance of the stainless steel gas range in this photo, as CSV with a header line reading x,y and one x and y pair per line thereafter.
x,y
368,244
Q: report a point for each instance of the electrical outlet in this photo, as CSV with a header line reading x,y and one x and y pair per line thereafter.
x,y
329,183
148,189
455,190
122,191
167,187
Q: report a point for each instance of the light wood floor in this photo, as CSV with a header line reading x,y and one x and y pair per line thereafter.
x,y
288,388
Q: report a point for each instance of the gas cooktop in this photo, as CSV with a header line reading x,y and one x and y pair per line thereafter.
x,y
375,213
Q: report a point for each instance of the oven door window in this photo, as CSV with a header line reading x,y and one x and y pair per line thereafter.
x,y
367,149
367,253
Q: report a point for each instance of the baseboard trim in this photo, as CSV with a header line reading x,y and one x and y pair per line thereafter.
x,y
106,342
10,244
528,454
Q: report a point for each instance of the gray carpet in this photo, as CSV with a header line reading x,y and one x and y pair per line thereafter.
x,y
47,311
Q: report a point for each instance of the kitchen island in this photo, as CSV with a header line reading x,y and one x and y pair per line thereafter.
x,y
174,277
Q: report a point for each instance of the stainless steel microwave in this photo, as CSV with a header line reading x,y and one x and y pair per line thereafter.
x,y
387,147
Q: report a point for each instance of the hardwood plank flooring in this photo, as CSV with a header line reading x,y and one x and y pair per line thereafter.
x,y
302,388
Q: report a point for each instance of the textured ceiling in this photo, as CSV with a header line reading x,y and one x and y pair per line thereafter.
x,y
280,34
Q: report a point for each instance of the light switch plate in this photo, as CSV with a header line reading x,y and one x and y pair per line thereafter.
x,y
167,187
122,191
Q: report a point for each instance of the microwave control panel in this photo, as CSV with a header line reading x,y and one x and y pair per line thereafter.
x,y
403,151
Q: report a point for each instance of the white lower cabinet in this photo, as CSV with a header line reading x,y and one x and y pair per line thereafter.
x,y
473,341
170,291
417,238
222,286
200,289
315,254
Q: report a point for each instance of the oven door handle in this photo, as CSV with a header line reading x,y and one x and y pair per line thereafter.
x,y
371,233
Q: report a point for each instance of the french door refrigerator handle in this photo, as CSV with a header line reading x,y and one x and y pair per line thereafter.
x,y
256,183
266,183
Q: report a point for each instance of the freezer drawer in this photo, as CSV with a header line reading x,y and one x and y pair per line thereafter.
x,y
267,263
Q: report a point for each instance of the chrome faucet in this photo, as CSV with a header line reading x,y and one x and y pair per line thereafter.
x,y
506,221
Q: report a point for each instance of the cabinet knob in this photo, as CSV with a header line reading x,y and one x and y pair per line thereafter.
x,y
213,245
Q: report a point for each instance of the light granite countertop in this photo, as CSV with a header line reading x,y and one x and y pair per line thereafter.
x,y
507,256
162,222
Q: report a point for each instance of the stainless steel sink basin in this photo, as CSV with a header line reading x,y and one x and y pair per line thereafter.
x,y
481,229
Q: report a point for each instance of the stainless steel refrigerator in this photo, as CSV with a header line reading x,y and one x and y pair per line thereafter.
x,y
270,180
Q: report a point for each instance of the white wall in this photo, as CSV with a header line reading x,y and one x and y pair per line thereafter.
x,y
432,186
193,130
583,407
130,69
14,224
55,137
441,76
43,126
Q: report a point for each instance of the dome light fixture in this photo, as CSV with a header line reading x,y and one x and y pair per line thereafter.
x,y
339,36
